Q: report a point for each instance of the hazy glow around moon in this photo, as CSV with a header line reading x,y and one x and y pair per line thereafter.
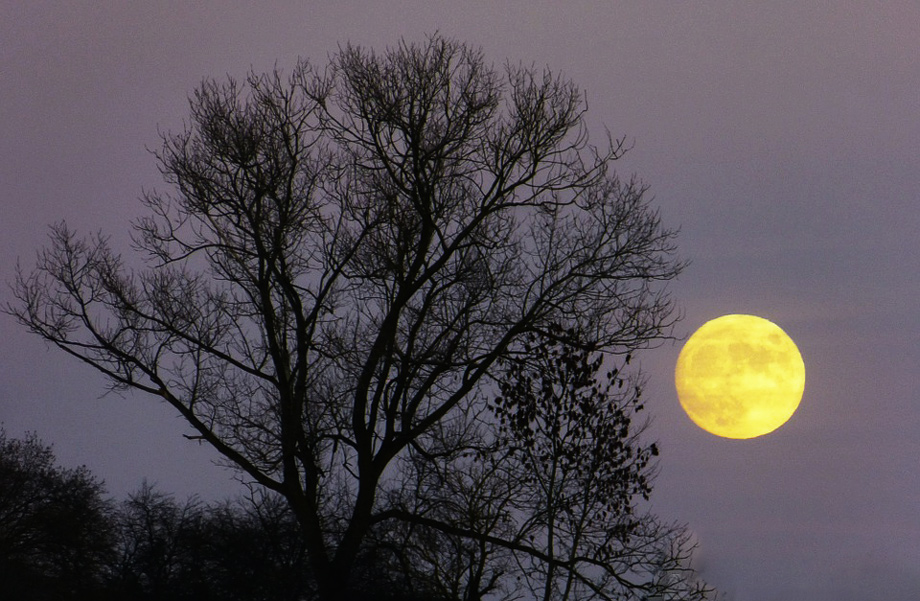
x,y
740,376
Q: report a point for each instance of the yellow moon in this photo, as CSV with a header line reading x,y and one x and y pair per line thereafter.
x,y
740,376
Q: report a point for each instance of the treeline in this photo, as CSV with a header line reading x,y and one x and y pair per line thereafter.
x,y
62,539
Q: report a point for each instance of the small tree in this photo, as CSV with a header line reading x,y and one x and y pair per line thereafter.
x,y
574,453
346,258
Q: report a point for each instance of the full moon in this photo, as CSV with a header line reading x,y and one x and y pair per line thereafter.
x,y
740,376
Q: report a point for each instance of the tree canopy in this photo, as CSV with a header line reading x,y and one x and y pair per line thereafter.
x,y
346,264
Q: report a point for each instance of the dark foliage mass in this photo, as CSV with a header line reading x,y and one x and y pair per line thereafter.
x,y
234,551
60,539
382,291
55,529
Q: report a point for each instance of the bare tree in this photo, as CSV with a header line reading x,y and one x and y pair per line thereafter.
x,y
344,259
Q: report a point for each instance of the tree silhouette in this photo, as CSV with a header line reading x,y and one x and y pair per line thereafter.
x,y
574,451
169,550
55,536
345,260
162,548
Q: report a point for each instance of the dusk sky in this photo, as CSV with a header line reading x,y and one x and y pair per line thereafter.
x,y
782,138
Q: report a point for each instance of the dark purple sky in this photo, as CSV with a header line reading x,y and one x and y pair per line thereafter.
x,y
782,137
